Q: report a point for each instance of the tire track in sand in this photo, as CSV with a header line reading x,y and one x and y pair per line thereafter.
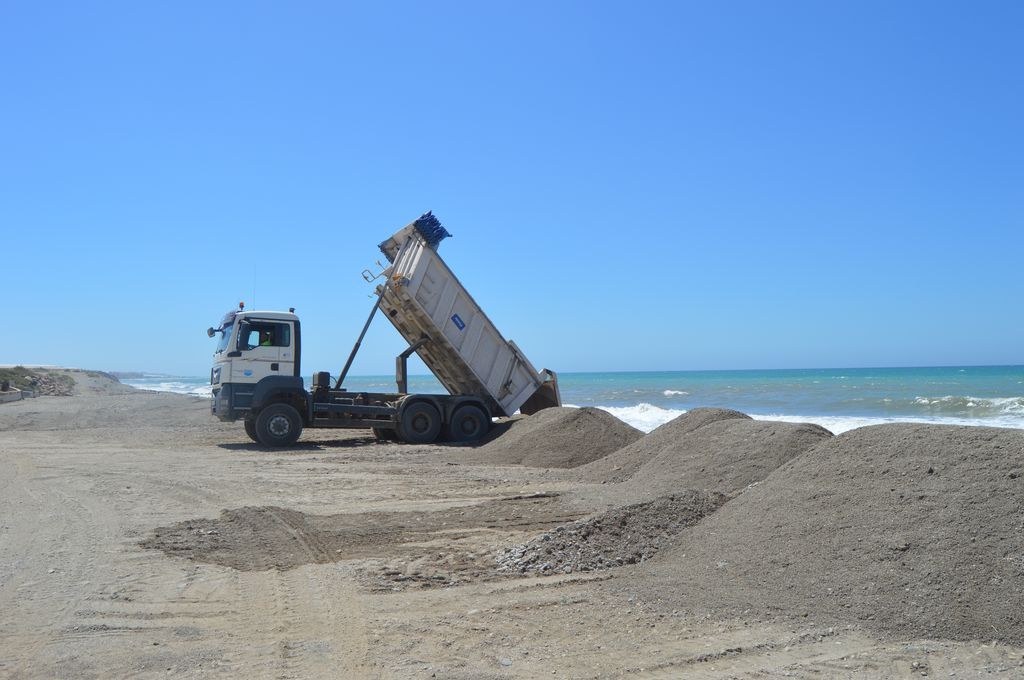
x,y
307,622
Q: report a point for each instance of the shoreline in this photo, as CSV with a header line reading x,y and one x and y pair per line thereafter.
x,y
648,416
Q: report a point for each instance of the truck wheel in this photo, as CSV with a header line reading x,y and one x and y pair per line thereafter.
x,y
278,425
420,423
468,424
250,429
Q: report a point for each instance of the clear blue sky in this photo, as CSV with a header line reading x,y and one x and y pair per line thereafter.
x,y
633,186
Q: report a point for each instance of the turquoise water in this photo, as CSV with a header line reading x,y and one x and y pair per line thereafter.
x,y
839,399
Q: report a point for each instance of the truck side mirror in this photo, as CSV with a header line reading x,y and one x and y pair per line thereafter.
x,y
210,332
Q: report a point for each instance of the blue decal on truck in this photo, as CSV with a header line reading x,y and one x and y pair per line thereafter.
x,y
458,322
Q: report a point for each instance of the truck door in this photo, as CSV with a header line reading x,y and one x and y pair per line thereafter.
x,y
266,348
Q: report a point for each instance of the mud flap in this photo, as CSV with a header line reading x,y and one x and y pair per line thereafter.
x,y
546,396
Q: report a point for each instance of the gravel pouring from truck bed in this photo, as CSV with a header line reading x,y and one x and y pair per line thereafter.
x,y
625,535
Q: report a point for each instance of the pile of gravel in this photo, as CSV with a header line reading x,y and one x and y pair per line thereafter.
x,y
626,461
625,535
562,437
915,530
725,456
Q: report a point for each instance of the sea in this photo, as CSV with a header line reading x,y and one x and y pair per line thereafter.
x,y
837,399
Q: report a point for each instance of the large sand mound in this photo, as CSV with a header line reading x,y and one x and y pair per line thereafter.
x,y
724,456
561,437
627,460
917,530
686,471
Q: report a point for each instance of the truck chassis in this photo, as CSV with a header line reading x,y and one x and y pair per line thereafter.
x,y
278,417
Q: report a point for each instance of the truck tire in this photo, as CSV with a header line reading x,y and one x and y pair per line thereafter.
x,y
420,423
278,425
250,429
468,424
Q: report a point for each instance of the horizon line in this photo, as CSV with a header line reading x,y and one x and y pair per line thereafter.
x,y
591,372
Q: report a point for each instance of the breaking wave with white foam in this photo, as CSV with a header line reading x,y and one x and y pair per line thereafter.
x,y
196,387
646,417
994,406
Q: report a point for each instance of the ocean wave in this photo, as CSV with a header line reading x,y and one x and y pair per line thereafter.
x,y
953,405
194,388
646,417
675,393
840,424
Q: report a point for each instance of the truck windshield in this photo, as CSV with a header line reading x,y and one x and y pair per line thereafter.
x,y
225,337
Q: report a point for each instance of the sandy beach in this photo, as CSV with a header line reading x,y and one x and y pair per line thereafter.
x,y
140,537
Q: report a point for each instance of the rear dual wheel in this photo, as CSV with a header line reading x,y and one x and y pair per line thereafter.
x,y
468,424
419,423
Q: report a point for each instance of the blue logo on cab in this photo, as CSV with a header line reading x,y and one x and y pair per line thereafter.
x,y
457,320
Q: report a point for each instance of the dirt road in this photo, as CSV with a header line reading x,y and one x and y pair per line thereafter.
x,y
340,558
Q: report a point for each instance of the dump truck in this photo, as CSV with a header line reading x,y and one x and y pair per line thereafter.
x,y
256,375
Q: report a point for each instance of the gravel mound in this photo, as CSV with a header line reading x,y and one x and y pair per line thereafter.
x,y
625,535
915,530
724,456
561,437
626,461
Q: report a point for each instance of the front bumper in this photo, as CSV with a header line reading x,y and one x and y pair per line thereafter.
x,y
232,401
220,405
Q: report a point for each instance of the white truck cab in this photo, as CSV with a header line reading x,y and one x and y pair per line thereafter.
x,y
255,349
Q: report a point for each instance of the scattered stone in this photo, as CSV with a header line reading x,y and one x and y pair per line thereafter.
x,y
626,535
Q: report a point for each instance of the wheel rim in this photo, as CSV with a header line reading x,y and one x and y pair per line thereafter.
x,y
468,425
420,424
279,426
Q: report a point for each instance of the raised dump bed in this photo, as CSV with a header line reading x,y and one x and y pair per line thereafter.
x,y
426,302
